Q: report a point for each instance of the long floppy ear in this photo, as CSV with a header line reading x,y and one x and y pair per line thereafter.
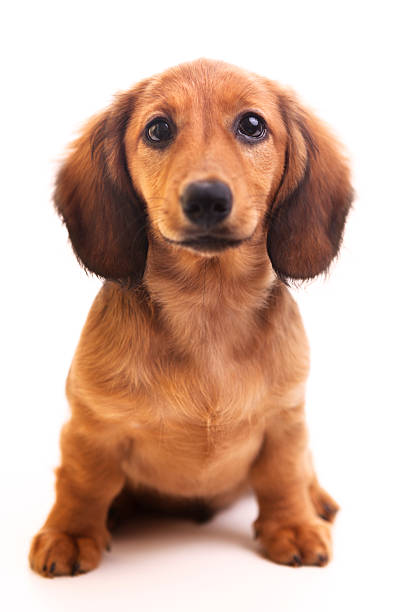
x,y
310,207
94,194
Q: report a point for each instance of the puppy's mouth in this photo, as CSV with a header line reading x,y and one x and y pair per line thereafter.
x,y
207,243
210,243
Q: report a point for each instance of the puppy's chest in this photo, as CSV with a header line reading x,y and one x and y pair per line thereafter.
x,y
196,436
209,398
182,458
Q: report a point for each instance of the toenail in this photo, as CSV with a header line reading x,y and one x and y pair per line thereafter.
x,y
52,567
322,559
75,568
296,561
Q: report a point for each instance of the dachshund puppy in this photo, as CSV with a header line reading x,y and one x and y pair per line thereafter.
x,y
198,195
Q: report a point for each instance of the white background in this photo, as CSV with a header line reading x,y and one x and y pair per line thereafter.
x,y
61,62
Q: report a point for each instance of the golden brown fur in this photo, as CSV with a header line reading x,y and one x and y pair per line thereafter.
x,y
188,380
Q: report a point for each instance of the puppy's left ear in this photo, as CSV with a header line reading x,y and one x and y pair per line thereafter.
x,y
309,210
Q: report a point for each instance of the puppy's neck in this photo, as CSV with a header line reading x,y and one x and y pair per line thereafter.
x,y
211,303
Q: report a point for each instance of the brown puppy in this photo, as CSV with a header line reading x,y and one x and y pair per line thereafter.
x,y
196,195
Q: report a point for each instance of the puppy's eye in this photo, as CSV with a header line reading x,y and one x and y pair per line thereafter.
x,y
251,127
158,131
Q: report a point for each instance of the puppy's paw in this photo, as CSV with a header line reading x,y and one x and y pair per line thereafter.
x,y
54,553
307,543
324,504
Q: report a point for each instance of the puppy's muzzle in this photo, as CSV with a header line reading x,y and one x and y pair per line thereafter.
x,y
206,203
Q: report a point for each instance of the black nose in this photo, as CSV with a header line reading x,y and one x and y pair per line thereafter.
x,y
206,203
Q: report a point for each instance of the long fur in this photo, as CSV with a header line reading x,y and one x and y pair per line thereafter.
x,y
188,381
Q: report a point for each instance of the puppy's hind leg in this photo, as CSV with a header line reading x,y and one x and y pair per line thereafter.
x,y
324,504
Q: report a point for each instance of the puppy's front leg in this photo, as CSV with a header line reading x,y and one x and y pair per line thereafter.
x,y
294,512
74,534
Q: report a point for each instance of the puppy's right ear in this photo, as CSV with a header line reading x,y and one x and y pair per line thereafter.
x,y
94,195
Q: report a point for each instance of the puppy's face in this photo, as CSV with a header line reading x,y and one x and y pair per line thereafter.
x,y
205,150
203,156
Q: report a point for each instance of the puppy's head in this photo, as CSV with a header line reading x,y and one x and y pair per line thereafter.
x,y
204,157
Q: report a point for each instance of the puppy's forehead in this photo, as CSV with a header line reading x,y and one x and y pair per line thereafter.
x,y
209,87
